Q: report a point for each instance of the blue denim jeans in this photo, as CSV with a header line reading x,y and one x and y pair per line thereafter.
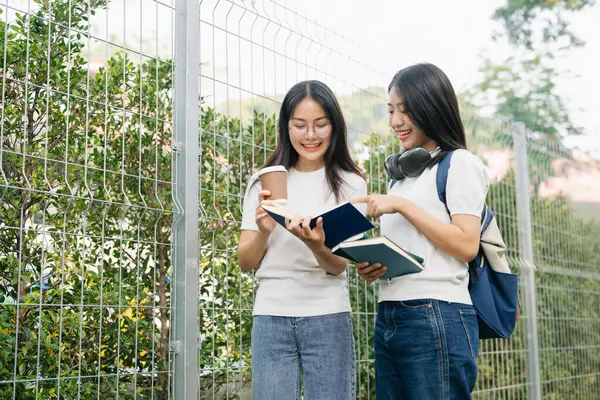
x,y
317,351
425,349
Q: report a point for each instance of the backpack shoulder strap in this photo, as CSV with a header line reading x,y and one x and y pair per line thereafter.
x,y
441,181
442,177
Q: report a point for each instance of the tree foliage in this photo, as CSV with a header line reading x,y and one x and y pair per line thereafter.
x,y
524,90
522,87
86,214
524,22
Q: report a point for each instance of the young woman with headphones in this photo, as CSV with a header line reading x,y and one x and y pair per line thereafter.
x,y
426,333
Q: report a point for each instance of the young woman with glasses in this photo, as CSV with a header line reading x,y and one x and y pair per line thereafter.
x,y
302,341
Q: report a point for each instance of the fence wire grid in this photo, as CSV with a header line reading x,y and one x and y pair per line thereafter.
x,y
129,131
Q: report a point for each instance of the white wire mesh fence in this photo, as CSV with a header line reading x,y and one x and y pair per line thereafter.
x,y
99,190
86,202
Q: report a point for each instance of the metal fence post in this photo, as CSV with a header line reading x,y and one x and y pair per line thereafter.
x,y
185,230
527,263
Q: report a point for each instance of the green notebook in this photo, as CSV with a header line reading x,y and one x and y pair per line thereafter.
x,y
383,251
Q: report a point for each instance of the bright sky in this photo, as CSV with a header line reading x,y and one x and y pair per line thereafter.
x,y
454,35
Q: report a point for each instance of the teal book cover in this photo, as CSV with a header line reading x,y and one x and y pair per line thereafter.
x,y
383,251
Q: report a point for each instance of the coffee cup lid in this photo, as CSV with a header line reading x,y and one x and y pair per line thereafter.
x,y
274,168
257,174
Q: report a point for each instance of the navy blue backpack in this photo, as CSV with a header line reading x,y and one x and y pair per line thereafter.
x,y
494,289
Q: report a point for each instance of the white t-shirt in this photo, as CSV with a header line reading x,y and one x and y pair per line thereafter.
x,y
291,282
444,277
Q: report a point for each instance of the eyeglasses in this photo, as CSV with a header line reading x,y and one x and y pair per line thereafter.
x,y
321,130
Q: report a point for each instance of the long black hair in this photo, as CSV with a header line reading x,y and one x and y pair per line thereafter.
x,y
430,102
337,157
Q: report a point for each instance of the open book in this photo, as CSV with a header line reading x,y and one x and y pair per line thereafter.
x,y
340,223
345,228
380,250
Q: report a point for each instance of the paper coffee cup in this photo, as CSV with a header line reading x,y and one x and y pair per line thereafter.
x,y
274,179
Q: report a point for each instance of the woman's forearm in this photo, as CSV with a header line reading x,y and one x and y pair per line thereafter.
x,y
331,263
252,251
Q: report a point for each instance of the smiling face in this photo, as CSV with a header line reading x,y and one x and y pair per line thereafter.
x,y
408,132
310,134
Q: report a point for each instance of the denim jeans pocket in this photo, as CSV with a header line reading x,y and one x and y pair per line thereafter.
x,y
468,318
414,304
